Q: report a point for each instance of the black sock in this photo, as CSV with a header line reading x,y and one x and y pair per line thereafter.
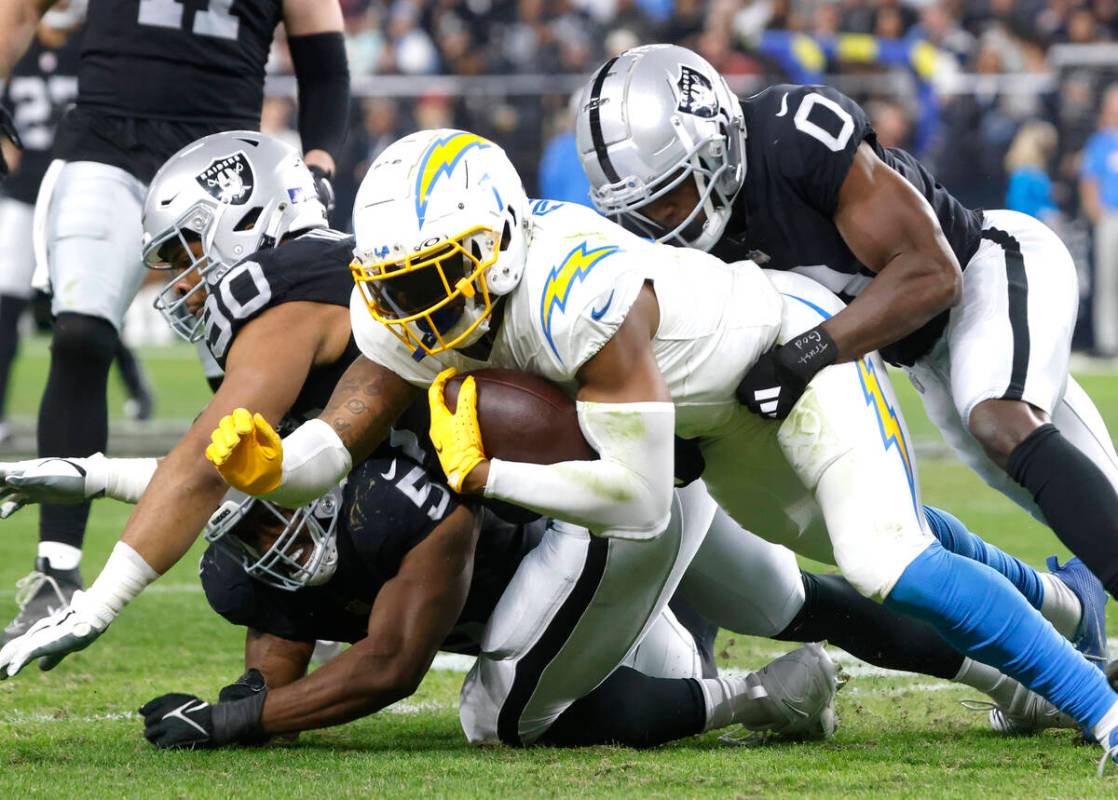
x,y
1075,497
631,709
704,631
131,372
833,610
11,309
73,416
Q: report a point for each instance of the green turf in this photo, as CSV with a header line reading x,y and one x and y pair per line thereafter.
x,y
73,733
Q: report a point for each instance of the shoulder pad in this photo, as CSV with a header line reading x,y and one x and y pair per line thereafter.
x,y
808,135
312,268
582,282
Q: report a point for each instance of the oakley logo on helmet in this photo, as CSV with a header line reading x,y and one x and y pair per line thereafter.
x,y
696,93
229,179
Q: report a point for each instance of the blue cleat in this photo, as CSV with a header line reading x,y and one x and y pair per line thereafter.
x,y
1090,638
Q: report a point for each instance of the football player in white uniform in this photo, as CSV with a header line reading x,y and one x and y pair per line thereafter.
x,y
978,306
651,341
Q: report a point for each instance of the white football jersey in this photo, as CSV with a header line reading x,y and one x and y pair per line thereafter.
x,y
582,275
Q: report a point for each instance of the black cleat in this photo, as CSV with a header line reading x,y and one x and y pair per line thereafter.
x,y
39,594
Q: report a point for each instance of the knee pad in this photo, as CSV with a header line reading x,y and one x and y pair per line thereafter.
x,y
82,340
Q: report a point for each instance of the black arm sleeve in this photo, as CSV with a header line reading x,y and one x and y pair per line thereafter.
x,y
322,73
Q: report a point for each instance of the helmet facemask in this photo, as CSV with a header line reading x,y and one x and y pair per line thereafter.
x,y
304,552
716,167
175,250
436,298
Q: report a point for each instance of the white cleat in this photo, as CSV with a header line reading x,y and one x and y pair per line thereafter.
x,y
1027,713
791,699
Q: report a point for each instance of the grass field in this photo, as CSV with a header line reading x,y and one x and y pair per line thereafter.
x,y
74,733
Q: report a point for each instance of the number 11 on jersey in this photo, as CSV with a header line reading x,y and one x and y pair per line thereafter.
x,y
216,20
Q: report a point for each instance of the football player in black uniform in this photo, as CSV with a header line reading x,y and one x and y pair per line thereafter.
x,y
276,319
154,76
394,564
41,87
978,306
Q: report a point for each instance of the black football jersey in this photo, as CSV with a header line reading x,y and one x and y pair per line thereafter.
x,y
800,143
42,86
188,60
390,505
312,267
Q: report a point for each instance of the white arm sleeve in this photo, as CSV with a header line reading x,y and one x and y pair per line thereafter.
x,y
125,479
314,461
625,494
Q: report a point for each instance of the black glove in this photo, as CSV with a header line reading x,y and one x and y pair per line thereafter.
x,y
774,384
324,187
249,684
8,129
689,462
179,720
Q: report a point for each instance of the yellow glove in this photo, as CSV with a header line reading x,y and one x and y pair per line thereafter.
x,y
456,436
247,452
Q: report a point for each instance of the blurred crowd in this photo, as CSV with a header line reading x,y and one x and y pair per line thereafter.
x,y
974,88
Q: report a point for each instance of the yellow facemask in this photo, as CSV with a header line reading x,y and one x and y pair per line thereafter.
x,y
423,297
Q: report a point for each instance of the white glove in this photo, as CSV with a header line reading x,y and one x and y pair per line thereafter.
x,y
69,481
66,481
53,638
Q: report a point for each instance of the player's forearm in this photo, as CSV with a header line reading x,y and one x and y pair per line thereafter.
x,y
359,682
908,293
280,661
178,502
18,20
626,493
365,404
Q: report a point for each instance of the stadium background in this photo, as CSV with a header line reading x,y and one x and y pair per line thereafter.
x,y
964,85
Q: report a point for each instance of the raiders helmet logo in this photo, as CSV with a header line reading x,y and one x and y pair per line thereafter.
x,y
696,93
228,179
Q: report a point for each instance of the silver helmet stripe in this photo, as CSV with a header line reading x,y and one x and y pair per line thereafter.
x,y
596,122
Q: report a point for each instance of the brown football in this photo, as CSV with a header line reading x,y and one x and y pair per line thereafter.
x,y
524,417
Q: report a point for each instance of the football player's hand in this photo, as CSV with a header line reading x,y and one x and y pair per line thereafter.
x,y
8,130
323,186
247,452
53,638
456,435
65,481
180,720
774,384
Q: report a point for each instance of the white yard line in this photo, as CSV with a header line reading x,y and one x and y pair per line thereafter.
x,y
155,588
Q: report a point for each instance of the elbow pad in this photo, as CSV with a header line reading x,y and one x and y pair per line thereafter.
x,y
625,494
322,74
314,461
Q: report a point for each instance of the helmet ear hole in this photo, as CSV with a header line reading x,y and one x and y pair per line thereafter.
x,y
248,221
506,233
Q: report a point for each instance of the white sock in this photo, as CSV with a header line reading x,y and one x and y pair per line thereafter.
x,y
1105,725
719,694
60,556
1060,606
988,680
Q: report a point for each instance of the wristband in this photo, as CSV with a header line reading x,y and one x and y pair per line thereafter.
x,y
806,354
239,721
123,577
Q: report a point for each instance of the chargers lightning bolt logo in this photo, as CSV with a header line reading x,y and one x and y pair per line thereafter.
x,y
576,265
890,426
440,159
888,423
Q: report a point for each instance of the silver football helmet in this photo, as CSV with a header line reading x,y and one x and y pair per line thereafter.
x,y
216,201
242,521
649,120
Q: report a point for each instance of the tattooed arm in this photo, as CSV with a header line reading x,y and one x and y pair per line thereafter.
x,y
366,402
